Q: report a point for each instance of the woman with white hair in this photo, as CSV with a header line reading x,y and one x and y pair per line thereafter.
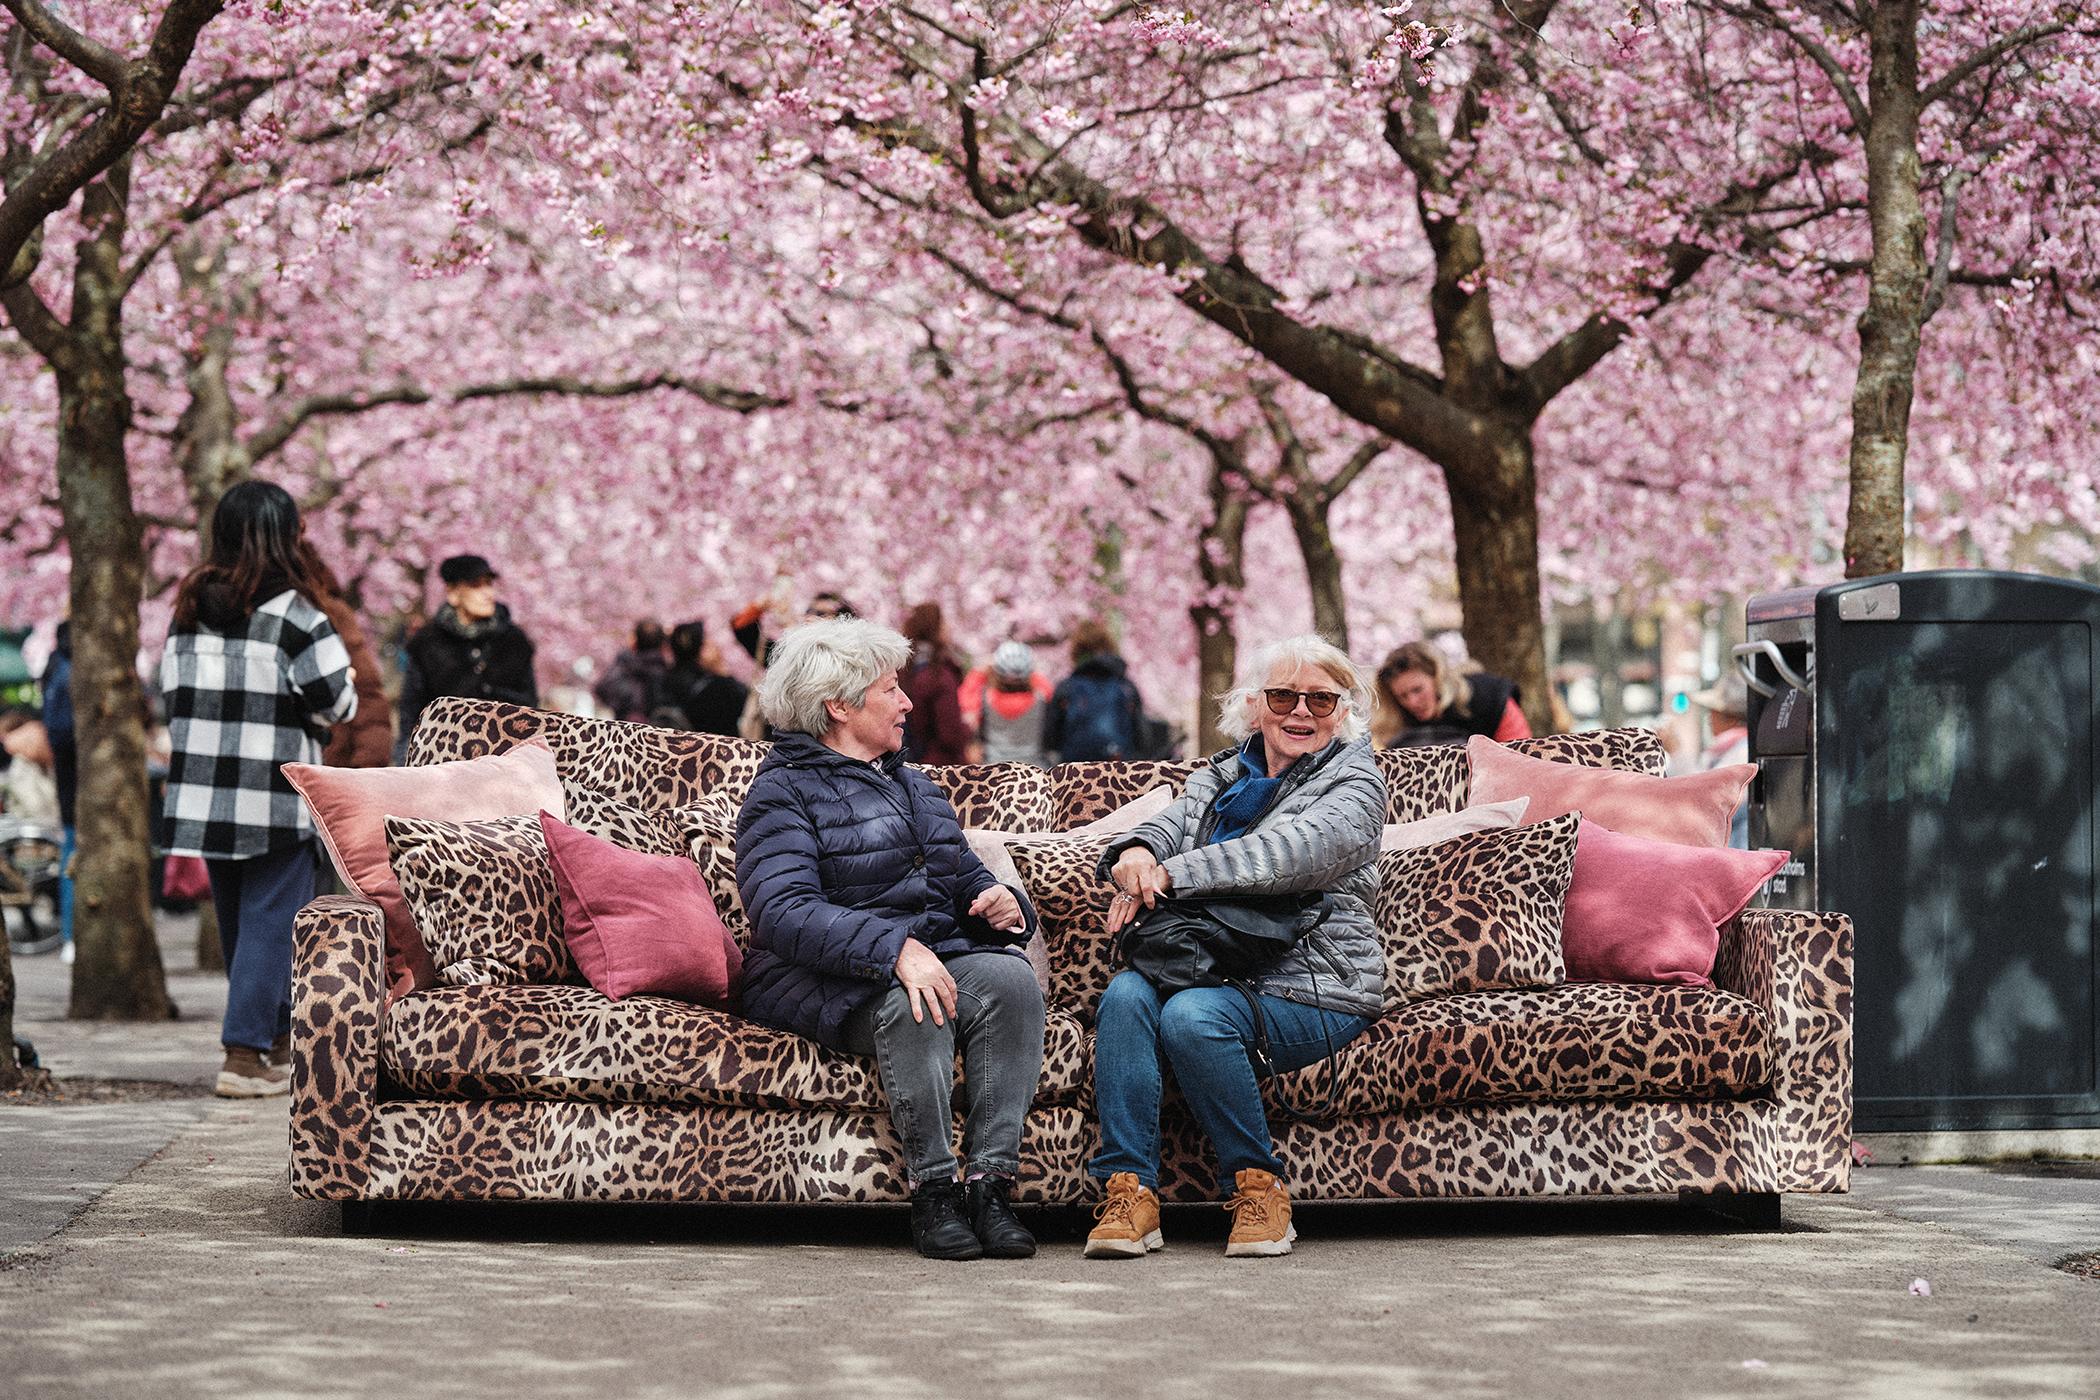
x,y
1296,809
876,931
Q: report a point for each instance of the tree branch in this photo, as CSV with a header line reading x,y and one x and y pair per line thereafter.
x,y
100,62
138,95
1961,72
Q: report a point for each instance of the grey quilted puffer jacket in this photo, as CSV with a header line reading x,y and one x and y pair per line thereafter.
x,y
1320,832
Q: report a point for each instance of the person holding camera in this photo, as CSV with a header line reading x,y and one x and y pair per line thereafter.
x,y
1296,809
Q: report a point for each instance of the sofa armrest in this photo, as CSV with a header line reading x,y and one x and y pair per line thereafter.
x,y
338,980
1798,966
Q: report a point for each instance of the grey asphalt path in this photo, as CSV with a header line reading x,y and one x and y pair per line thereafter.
x,y
2043,1210
200,1275
56,1159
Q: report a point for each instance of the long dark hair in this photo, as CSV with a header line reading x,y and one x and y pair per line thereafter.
x,y
255,555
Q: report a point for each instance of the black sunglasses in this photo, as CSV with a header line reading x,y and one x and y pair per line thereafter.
x,y
1318,703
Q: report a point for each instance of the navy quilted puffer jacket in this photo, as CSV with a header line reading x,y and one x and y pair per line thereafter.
x,y
839,862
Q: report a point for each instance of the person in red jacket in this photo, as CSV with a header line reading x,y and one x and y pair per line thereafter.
x,y
934,731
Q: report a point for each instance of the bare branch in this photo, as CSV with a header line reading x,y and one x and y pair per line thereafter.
x,y
100,62
139,96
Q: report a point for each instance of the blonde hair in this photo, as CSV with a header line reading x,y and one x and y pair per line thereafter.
x,y
1452,688
1235,706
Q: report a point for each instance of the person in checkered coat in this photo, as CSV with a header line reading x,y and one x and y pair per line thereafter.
x,y
253,678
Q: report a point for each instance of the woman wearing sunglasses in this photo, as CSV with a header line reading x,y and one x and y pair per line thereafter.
x,y
1296,808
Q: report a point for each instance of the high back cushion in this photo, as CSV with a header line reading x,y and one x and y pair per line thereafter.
x,y
1087,792
638,764
996,796
1432,779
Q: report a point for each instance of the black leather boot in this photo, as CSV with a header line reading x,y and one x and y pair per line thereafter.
x,y
992,1217
939,1224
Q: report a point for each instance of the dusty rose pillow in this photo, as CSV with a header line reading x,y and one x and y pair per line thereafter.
x,y
1690,811
1651,911
351,805
1447,826
641,924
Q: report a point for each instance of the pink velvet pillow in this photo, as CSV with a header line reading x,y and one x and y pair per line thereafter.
x,y
1691,811
351,805
641,924
1651,911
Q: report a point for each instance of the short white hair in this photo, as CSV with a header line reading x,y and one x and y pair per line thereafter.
x,y
1236,706
818,662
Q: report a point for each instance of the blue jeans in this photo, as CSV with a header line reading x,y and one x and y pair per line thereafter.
x,y
999,1021
1205,1034
255,899
67,844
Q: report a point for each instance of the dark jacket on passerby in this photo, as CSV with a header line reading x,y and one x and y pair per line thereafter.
x,y
701,700
487,660
1491,708
366,739
839,862
1095,713
632,687
934,731
58,721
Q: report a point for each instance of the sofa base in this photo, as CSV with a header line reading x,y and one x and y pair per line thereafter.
x,y
1723,1154
1749,1210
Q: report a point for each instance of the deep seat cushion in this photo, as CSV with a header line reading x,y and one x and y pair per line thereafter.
x,y
570,1042
1595,1040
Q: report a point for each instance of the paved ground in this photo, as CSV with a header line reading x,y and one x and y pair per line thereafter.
x,y
194,1272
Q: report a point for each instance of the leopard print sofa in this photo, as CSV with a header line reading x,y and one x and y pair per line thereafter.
x,y
552,1092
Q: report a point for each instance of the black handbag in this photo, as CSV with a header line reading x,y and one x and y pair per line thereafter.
x,y
1222,942
1182,943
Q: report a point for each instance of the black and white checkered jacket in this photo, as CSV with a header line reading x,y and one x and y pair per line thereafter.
x,y
239,705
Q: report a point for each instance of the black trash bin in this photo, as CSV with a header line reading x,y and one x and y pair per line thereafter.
x,y
1926,748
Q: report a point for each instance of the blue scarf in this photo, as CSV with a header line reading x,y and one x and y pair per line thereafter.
x,y
1238,805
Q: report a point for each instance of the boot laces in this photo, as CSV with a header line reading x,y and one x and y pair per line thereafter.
x,y
1249,1210
1118,1208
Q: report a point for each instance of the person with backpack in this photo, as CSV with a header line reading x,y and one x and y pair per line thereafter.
x,y
1006,702
1096,712
253,676
632,686
695,695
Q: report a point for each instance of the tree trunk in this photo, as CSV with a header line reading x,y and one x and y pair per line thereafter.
x,y
208,442
1220,562
1323,565
1495,523
1891,327
11,1076
117,971
211,954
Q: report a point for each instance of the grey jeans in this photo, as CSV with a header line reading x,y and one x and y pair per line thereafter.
x,y
999,1020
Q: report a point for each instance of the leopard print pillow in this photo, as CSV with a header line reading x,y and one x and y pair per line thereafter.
x,y
1071,905
707,830
483,894
1481,913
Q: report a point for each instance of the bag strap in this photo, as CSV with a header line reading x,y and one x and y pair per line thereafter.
x,y
1265,1062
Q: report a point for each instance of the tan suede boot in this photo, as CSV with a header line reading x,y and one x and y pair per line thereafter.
x,y
248,1074
1261,1216
1129,1221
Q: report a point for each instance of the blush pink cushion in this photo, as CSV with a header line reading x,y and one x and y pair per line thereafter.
x,y
1692,811
1651,911
641,924
1449,826
351,805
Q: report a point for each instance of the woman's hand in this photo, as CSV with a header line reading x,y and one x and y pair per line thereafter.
x,y
998,907
926,982
1140,881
